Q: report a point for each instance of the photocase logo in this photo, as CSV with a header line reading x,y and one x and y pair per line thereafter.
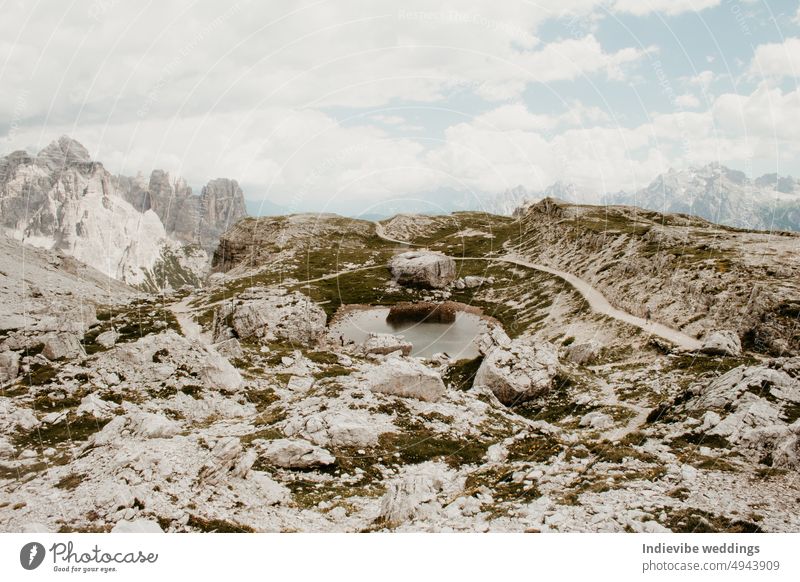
x,y
31,555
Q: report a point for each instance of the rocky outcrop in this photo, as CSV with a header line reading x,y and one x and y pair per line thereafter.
x,y
293,454
584,352
62,346
416,494
9,366
270,315
384,344
754,408
423,269
407,378
189,218
518,371
722,343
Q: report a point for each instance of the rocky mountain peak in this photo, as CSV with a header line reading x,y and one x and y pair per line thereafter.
x,y
63,152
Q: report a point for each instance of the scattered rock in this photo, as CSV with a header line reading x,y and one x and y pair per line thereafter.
x,y
62,346
415,494
408,378
107,339
519,371
294,454
230,348
722,343
596,420
137,526
270,315
584,353
385,343
9,367
423,268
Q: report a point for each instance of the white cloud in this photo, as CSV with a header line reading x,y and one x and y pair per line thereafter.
x,y
687,101
777,59
668,7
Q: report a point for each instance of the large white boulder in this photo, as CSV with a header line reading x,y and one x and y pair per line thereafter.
x,y
385,343
415,494
9,367
423,268
722,343
137,526
294,453
62,346
270,315
584,353
518,371
408,378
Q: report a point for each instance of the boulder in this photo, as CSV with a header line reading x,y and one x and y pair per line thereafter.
x,y
423,269
415,494
584,353
227,460
486,342
722,343
752,407
9,367
597,420
217,372
408,378
519,371
137,526
294,454
230,348
107,339
385,343
270,315
62,346
473,281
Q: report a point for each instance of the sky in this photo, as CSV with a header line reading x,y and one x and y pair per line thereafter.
x,y
341,105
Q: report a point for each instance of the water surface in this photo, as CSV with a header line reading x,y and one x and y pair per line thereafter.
x,y
456,339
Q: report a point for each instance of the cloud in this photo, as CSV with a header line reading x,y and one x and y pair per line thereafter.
x,y
668,7
687,101
665,7
777,59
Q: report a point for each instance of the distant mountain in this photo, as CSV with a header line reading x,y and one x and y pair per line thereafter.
x,y
515,200
723,196
153,233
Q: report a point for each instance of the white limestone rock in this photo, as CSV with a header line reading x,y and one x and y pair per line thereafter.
x,y
423,268
230,348
596,420
407,378
722,343
107,339
294,453
415,494
137,526
9,367
270,315
62,346
519,371
584,353
384,344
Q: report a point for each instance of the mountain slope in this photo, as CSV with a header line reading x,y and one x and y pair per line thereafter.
x,y
154,234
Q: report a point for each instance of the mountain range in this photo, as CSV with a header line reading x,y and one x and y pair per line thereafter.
x,y
714,192
150,233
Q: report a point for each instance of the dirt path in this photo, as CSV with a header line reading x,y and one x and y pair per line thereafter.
x,y
190,328
601,305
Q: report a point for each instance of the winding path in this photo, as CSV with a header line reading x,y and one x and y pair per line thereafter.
x,y
596,300
601,305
